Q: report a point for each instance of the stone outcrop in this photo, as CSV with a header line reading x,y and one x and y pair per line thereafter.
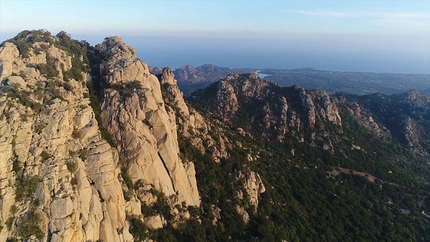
x,y
134,113
363,117
277,111
400,117
191,123
253,185
54,165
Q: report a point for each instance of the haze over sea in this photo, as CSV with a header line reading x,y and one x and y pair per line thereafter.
x,y
293,55
363,36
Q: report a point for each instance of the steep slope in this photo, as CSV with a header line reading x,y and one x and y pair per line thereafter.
x,y
81,163
144,130
331,168
59,178
265,109
406,117
210,139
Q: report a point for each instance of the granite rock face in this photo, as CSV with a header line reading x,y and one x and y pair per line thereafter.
x,y
134,113
203,134
253,185
276,112
55,168
57,165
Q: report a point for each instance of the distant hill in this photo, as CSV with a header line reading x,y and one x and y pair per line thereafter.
x,y
349,82
190,79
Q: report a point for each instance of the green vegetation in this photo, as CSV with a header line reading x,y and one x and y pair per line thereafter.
x,y
30,226
138,229
9,223
126,89
96,90
76,134
77,49
83,154
72,166
160,207
308,197
25,188
48,70
45,155
26,38
22,96
127,179
311,195
13,209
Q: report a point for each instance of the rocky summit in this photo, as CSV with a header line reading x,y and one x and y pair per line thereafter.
x,y
94,147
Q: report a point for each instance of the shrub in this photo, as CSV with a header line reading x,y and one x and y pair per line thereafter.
x,y
45,156
138,229
76,134
48,69
67,86
13,209
23,47
72,166
36,202
25,188
9,223
30,226
83,154
23,97
74,181
127,180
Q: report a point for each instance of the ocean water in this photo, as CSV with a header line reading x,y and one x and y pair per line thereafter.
x,y
400,56
381,63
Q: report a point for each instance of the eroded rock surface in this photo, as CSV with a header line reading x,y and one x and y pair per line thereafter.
x,y
54,165
134,113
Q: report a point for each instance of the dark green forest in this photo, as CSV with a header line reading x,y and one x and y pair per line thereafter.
x,y
380,192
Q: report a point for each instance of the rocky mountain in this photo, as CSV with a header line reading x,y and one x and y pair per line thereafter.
x,y
190,78
94,147
404,117
69,169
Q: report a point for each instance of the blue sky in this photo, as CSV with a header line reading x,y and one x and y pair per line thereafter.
x,y
378,36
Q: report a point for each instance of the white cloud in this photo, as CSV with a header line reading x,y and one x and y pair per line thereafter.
x,y
385,15
413,20
323,13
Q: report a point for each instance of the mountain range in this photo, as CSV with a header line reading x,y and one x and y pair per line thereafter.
x,y
191,79
97,146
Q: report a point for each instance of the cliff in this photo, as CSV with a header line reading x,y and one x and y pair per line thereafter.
x,y
59,177
134,113
265,109
63,173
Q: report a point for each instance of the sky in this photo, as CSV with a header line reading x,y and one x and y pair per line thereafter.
x,y
367,35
